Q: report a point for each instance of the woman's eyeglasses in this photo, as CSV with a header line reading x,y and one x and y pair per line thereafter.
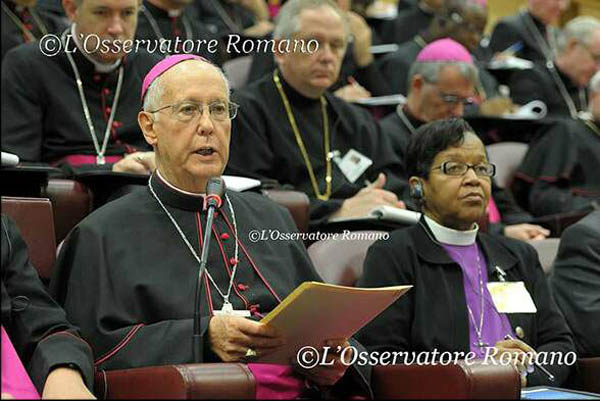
x,y
460,168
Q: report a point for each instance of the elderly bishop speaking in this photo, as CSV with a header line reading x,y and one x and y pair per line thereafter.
x,y
127,273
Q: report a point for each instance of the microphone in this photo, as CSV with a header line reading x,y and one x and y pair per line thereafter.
x,y
215,189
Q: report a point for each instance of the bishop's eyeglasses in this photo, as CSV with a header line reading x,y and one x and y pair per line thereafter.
x,y
460,168
453,100
187,110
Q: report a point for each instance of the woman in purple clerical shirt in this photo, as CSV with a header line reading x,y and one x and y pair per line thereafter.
x,y
455,269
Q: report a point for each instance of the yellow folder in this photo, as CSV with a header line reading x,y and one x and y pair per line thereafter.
x,y
315,312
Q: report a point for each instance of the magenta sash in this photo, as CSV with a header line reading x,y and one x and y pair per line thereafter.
x,y
276,382
494,213
15,380
78,160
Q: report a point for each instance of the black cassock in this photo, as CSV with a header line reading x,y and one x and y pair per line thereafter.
x,y
560,171
155,24
36,325
263,144
39,23
127,279
224,18
519,28
42,112
395,67
539,83
406,25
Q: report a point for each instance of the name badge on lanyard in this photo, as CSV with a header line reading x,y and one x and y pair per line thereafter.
x,y
353,164
228,310
511,297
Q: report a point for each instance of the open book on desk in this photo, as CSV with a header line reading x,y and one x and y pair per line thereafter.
x,y
315,312
386,213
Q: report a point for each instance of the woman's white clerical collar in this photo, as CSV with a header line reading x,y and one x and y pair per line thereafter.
x,y
175,13
450,236
99,67
174,188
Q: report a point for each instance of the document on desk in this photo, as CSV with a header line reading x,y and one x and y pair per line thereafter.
x,y
555,393
385,213
315,312
388,100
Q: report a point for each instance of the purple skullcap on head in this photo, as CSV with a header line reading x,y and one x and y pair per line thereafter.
x,y
164,65
444,51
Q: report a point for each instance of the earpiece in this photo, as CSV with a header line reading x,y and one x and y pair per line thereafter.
x,y
416,191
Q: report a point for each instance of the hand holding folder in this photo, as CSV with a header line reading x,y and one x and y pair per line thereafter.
x,y
315,312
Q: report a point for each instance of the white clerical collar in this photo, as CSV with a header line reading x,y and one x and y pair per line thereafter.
x,y
450,236
99,67
174,13
174,188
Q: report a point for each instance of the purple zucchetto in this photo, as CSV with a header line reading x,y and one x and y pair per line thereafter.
x,y
165,65
444,51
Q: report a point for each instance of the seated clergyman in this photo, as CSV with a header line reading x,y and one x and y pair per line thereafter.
x,y
131,289
76,108
294,130
560,171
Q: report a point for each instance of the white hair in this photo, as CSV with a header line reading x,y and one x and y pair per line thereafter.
x,y
595,83
153,95
581,29
287,23
156,90
430,71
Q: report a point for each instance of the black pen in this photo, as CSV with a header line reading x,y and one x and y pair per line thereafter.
x,y
535,362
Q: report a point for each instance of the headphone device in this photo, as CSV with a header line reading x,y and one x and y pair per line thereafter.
x,y
416,191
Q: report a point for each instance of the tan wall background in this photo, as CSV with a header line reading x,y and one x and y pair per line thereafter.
x,y
502,8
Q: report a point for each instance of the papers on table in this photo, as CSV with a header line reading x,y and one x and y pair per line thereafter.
x,y
554,393
9,159
395,214
382,49
386,213
534,110
510,63
390,100
239,184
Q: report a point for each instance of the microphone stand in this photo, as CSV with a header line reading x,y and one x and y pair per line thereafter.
x,y
213,202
